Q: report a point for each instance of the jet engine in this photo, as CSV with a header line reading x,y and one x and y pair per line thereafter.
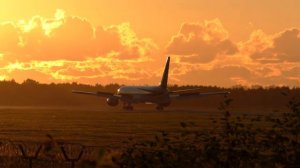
x,y
112,101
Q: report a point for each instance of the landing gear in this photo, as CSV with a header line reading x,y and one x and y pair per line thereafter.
x,y
159,107
127,106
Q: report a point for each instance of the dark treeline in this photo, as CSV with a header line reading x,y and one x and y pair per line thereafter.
x,y
33,93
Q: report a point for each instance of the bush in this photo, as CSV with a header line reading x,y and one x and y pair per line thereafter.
x,y
234,141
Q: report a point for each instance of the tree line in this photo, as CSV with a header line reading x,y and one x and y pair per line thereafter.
x,y
33,93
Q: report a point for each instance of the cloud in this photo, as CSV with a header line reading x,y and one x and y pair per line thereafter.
x,y
220,76
280,47
122,41
286,45
92,70
9,38
261,60
201,42
236,74
71,49
70,38
295,71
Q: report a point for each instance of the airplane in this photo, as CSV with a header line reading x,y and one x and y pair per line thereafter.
x,y
159,95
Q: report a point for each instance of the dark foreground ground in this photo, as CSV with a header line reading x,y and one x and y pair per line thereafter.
x,y
100,126
95,126
24,129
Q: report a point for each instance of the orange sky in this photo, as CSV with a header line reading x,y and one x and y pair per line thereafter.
x,y
225,42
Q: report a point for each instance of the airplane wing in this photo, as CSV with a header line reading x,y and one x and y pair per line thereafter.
x,y
100,94
189,93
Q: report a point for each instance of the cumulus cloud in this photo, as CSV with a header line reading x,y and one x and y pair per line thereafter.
x,y
261,60
122,41
9,38
70,38
201,42
286,45
280,47
69,48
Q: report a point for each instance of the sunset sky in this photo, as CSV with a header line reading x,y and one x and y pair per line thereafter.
x,y
224,42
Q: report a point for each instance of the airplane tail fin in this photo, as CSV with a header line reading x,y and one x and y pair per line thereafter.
x,y
164,80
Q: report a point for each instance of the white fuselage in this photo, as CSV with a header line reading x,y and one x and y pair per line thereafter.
x,y
137,90
144,94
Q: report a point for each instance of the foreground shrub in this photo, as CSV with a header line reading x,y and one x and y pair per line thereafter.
x,y
233,141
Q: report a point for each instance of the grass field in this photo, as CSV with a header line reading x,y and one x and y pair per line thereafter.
x,y
25,129
94,126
